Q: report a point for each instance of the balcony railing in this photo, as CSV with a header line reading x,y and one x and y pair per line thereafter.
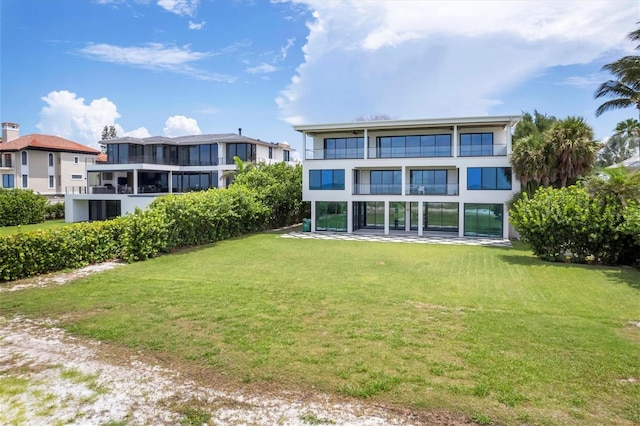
x,y
8,163
376,189
410,152
334,154
495,150
75,189
149,159
432,189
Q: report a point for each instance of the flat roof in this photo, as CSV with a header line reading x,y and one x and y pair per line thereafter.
x,y
498,120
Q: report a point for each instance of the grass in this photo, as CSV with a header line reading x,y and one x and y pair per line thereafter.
x,y
492,332
49,224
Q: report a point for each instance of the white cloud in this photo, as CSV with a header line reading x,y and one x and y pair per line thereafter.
x,y
67,116
437,58
261,69
583,81
196,26
285,49
179,125
180,7
154,56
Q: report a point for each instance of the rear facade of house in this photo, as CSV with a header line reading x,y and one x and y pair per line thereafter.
x,y
431,176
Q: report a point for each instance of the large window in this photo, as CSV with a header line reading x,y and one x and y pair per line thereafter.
x,y
476,144
185,182
368,215
386,181
52,181
25,181
331,216
343,148
479,178
397,217
428,182
441,217
50,160
8,181
286,155
483,220
332,179
413,146
244,151
24,158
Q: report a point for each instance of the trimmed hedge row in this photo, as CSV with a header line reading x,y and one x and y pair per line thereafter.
x,y
170,223
54,211
21,207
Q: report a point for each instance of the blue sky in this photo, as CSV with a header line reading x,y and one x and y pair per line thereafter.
x,y
175,67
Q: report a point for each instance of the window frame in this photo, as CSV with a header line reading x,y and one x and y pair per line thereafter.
x,y
328,179
488,181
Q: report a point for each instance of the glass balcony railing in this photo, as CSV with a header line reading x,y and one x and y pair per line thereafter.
x,y
495,150
376,189
410,152
334,154
432,189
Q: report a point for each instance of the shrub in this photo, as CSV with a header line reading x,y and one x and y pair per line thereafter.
x,y
54,211
21,207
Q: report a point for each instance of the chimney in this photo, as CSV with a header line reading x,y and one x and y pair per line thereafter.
x,y
10,131
240,131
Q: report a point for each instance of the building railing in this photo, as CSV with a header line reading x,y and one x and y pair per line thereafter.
x,y
432,189
334,154
495,150
8,164
248,160
150,159
410,152
75,189
376,189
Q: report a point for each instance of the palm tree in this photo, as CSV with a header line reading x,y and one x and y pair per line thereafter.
x,y
241,168
616,149
629,128
624,91
571,143
617,182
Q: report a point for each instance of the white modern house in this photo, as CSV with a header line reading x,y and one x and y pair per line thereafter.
x,y
446,176
137,170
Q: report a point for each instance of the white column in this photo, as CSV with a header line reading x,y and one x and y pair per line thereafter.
x,y
386,218
403,181
304,146
407,216
350,217
508,137
135,181
455,141
171,182
420,218
461,219
505,221
366,144
313,216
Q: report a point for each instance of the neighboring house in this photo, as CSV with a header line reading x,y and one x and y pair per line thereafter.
x,y
632,163
46,164
438,176
135,170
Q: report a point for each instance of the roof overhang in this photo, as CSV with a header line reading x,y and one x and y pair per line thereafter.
x,y
493,121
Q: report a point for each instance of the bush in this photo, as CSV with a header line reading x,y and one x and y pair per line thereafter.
x,y
54,211
21,207
569,224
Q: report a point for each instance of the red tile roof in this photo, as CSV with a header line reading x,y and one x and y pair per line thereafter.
x,y
102,158
46,143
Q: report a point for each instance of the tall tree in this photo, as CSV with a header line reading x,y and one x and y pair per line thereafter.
x,y
241,168
616,149
617,182
530,158
624,90
571,142
629,128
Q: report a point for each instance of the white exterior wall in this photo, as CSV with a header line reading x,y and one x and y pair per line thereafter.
x,y
456,166
76,206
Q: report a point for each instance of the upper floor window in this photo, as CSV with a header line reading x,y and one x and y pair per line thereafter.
x,y
428,182
244,151
270,153
343,148
24,158
386,181
52,182
286,155
76,177
326,179
476,144
7,160
25,181
479,178
413,146
76,160
50,160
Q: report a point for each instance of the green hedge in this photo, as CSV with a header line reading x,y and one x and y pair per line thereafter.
x,y
170,223
54,211
570,224
21,207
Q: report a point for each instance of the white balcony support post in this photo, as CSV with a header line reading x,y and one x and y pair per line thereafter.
x,y
366,144
461,219
170,182
304,145
135,181
403,181
349,217
313,216
407,216
455,141
420,218
386,218
507,129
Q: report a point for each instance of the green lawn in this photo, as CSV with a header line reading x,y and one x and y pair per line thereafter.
x,y
49,224
491,332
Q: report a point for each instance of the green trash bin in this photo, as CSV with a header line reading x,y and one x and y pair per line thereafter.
x,y
306,225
